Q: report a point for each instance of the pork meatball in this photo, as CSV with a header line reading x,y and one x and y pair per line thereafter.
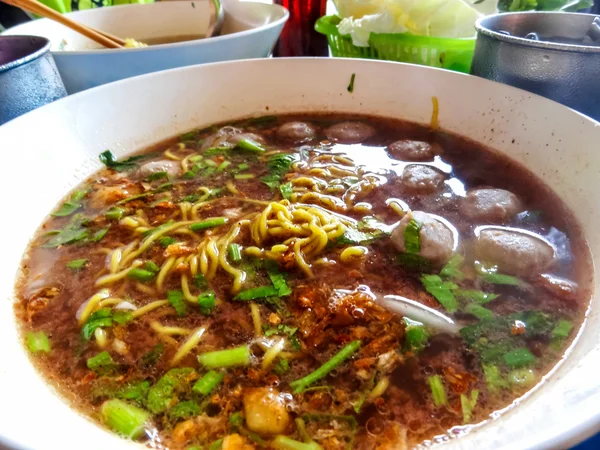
x,y
296,132
421,179
514,252
407,150
436,239
163,165
491,205
349,132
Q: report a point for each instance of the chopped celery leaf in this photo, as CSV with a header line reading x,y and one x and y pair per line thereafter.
x,y
441,290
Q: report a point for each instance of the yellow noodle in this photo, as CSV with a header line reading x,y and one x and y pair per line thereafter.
x,y
256,321
193,262
186,290
351,254
171,156
185,208
184,162
238,275
149,307
399,206
379,388
231,188
101,337
272,353
91,304
103,251
145,289
114,277
164,271
188,345
115,259
169,331
111,301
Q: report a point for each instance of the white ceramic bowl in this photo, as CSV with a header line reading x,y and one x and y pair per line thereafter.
x,y
50,150
250,30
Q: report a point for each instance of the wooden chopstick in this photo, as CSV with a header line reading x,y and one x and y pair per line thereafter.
x,y
36,7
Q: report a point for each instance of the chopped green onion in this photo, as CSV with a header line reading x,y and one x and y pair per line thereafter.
x,y
208,223
479,311
351,84
216,445
521,377
122,317
282,367
157,176
115,213
562,329
412,238
520,357
437,391
476,296
151,357
235,252
234,357
277,278
99,319
441,290
184,410
493,378
135,391
208,382
151,266
134,197
243,166
256,293
250,145
177,301
236,420
196,158
243,176
200,281
468,405
286,443
125,419
210,163
490,274
341,356
416,336
452,268
165,241
38,342
223,166
161,395
102,361
98,235
286,190
207,302
77,264
141,274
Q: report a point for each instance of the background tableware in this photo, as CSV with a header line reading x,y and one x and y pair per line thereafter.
x,y
28,76
249,31
561,71
125,117
299,37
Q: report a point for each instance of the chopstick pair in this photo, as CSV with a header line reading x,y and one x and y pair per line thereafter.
x,y
102,38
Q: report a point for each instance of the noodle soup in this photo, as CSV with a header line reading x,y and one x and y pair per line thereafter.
x,y
303,282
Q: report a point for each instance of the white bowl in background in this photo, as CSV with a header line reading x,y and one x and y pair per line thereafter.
x,y
56,147
250,30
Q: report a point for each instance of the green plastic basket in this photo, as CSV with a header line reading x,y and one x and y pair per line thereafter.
x,y
446,53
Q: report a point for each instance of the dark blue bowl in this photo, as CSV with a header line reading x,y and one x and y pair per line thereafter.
x,y
28,76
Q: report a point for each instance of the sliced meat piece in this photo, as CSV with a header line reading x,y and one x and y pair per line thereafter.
x,y
296,132
407,150
220,137
162,165
421,179
514,252
436,239
250,136
350,132
491,205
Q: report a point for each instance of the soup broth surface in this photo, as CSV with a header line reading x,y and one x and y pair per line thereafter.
x,y
303,282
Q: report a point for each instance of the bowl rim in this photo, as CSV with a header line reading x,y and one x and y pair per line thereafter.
x,y
45,48
481,25
107,51
561,437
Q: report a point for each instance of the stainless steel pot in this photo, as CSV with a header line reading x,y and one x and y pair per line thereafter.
x,y
555,55
28,76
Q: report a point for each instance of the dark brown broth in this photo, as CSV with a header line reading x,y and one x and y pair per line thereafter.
x,y
324,325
